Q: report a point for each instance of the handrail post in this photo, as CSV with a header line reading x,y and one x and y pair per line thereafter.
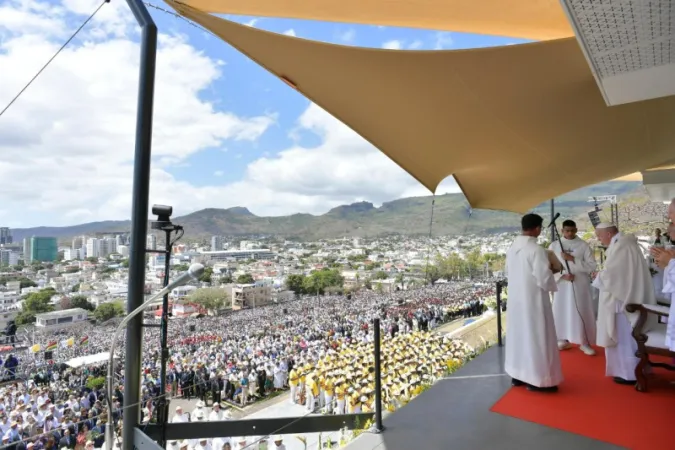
x,y
379,427
499,314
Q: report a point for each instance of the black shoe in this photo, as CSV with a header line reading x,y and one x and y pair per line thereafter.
x,y
542,389
516,383
623,381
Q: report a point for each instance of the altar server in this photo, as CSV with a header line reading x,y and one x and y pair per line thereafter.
x,y
625,279
532,357
573,303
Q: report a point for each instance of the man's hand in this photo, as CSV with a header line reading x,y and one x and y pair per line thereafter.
x,y
662,256
567,257
568,277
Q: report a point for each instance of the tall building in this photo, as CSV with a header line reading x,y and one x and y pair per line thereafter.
x,y
92,248
77,243
45,249
216,243
5,236
151,242
27,255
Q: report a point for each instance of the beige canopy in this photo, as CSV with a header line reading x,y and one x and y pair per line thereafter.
x,y
515,125
530,19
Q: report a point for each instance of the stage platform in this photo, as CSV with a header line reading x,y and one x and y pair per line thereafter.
x,y
454,414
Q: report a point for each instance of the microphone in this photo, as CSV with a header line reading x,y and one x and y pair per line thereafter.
x,y
553,220
192,274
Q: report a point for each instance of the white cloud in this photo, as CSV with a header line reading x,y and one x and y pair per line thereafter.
x,y
347,36
252,22
67,144
415,44
392,45
443,40
219,173
290,32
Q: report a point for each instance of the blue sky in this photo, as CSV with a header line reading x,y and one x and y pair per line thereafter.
x,y
226,133
250,90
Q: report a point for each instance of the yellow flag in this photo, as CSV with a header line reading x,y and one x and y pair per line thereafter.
x,y
70,342
35,348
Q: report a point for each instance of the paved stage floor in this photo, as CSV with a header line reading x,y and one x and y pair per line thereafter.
x,y
454,414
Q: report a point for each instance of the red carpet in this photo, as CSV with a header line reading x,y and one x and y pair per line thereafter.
x,y
592,405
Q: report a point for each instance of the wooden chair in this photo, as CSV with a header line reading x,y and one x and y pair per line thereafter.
x,y
651,342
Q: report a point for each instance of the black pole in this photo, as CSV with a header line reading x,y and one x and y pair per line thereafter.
x,y
552,216
163,404
379,427
499,314
139,219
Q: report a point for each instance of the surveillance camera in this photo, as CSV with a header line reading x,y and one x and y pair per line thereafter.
x,y
162,211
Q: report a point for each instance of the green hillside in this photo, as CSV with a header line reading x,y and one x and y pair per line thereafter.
x,y
408,216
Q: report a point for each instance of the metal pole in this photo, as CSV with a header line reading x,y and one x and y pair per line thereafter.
x,y
379,427
499,314
552,216
139,218
163,404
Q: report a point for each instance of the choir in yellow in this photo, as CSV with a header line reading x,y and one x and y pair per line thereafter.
x,y
343,379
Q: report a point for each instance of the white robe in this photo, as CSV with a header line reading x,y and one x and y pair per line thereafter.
x,y
531,344
669,289
573,303
625,279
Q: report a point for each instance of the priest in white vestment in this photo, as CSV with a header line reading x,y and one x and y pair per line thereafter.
x,y
532,356
665,259
625,279
573,303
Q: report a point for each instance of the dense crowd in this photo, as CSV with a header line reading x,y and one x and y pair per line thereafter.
x,y
242,357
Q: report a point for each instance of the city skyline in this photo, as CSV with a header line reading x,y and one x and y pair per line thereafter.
x,y
226,132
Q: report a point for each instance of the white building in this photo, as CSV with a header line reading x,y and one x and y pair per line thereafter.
x,y
216,243
92,248
239,255
250,295
151,242
61,319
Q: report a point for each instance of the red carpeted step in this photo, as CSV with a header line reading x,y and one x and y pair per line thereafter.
x,y
592,405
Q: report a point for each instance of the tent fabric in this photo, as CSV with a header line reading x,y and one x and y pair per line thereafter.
x,y
515,125
529,19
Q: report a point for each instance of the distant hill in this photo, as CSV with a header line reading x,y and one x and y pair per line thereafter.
x,y
407,216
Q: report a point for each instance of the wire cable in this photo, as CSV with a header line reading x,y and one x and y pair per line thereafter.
x,y
65,44
427,275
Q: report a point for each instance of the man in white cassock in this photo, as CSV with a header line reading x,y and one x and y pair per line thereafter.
x,y
573,303
625,279
665,259
532,357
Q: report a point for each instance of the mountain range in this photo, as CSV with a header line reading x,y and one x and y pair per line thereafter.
x,y
406,216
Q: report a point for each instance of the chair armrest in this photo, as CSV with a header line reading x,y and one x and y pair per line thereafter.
x,y
659,310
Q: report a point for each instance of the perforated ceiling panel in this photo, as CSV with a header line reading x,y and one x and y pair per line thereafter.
x,y
624,36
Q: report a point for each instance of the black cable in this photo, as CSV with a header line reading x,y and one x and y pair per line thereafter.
x,y
54,56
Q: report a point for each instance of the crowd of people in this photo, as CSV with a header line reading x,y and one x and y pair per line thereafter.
x,y
320,349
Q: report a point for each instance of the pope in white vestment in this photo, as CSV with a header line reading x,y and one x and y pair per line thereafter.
x,y
573,303
532,356
625,279
665,259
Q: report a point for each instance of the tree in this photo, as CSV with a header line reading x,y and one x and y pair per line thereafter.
x,y
206,276
181,267
380,275
92,259
210,298
246,278
296,283
226,278
107,311
125,263
25,282
318,281
81,301
35,303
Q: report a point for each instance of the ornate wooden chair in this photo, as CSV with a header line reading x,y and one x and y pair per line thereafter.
x,y
652,342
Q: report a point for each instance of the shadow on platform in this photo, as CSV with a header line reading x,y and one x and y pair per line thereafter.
x,y
454,414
